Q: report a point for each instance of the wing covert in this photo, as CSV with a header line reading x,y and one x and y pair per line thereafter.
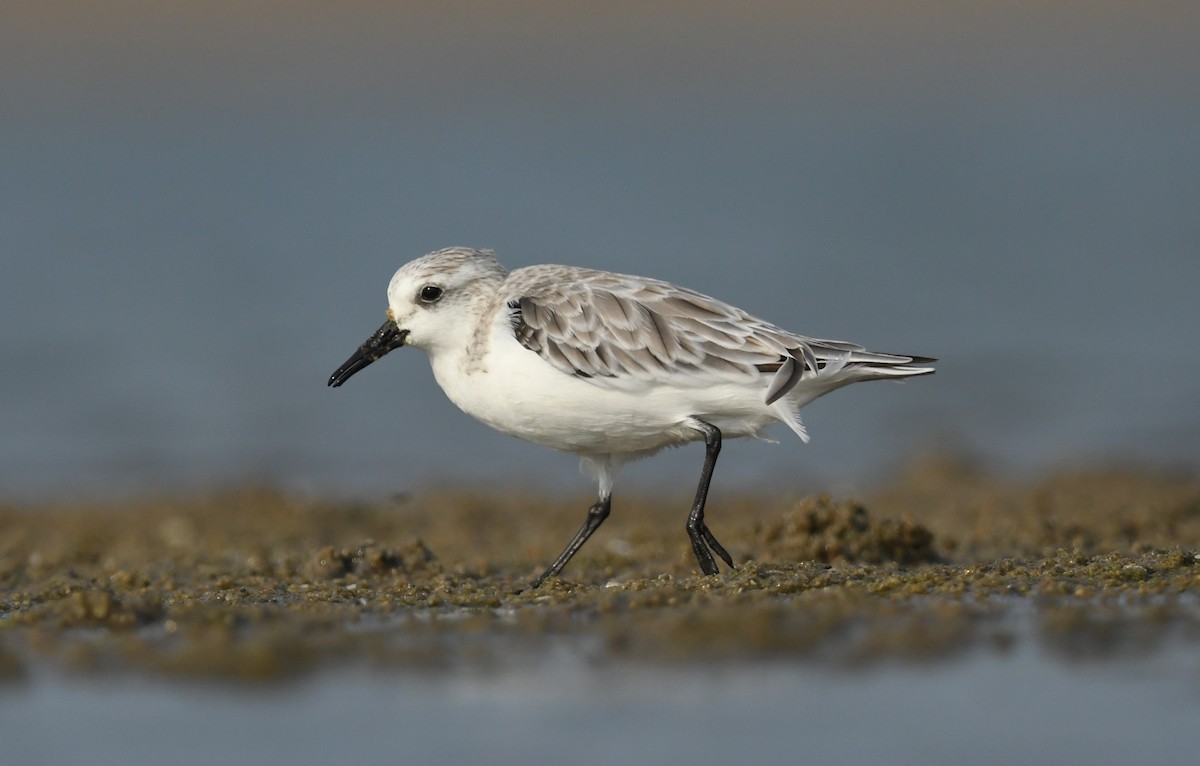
x,y
616,330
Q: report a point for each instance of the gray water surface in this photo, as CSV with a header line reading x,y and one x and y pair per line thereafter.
x,y
200,212
987,708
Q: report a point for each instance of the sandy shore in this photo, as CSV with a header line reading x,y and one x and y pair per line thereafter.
x,y
257,584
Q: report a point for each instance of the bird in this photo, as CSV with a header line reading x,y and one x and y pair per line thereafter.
x,y
611,367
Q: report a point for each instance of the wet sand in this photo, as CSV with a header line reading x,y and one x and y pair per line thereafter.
x,y
255,584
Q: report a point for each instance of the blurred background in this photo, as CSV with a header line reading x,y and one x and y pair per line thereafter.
x,y
202,204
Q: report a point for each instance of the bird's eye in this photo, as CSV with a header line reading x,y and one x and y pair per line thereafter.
x,y
430,294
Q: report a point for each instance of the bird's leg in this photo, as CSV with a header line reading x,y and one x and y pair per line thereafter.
x,y
595,517
704,543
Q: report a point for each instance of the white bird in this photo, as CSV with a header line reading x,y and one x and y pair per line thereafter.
x,y
608,366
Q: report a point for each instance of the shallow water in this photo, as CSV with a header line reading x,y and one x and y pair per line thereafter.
x,y
1021,706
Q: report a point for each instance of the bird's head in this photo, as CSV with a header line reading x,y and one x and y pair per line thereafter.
x,y
430,305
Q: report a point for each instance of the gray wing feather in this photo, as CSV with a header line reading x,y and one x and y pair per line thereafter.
x,y
600,325
785,379
613,328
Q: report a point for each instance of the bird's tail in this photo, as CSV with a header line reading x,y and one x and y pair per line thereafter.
x,y
870,365
837,367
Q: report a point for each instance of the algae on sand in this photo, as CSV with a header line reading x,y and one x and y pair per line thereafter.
x,y
257,584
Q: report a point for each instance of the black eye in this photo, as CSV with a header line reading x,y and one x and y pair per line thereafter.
x,y
430,294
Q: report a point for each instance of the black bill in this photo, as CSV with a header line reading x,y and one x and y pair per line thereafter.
x,y
386,338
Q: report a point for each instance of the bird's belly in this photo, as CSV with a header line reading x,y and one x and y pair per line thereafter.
x,y
531,400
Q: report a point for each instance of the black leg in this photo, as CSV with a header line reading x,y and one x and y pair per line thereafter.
x,y
595,517
704,543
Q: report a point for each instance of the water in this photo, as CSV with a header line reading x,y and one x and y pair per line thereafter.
x,y
201,210
1023,707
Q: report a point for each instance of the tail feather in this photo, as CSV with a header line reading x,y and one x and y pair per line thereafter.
x,y
834,358
837,367
904,370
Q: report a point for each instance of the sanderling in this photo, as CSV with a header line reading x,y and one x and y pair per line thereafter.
x,y
608,366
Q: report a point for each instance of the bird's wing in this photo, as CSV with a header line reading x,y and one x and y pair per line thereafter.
x,y
618,330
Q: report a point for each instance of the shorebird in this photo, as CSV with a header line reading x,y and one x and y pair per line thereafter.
x,y
610,367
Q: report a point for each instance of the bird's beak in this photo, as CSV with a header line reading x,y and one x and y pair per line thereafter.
x,y
387,338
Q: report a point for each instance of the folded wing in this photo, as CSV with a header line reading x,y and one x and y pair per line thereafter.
x,y
622,331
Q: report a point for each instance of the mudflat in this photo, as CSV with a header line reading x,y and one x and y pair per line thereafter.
x,y
257,584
